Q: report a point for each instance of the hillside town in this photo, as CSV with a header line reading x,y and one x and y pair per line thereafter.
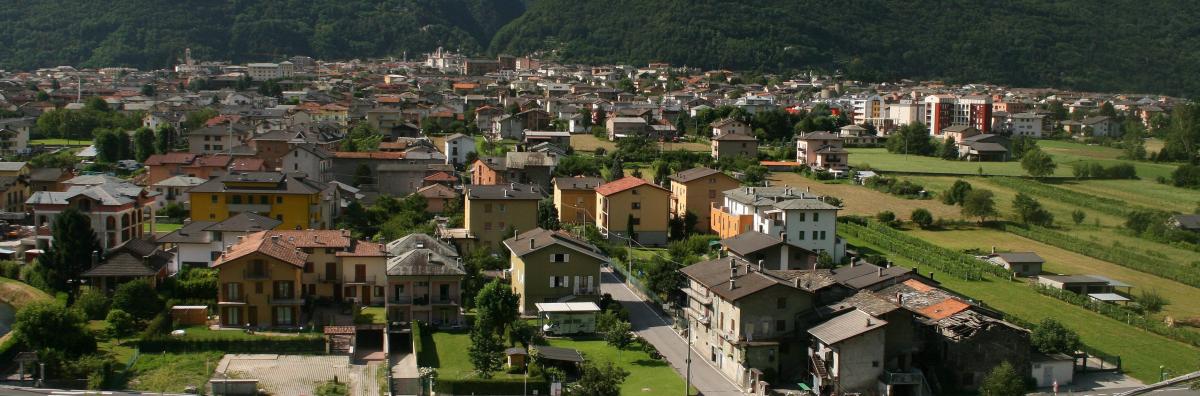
x,y
514,225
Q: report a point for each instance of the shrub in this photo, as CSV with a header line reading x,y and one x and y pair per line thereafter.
x,y
160,325
1151,301
137,298
93,303
10,269
921,217
1050,336
886,217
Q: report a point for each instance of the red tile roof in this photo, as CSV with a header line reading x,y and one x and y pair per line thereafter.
x,y
170,158
315,238
365,249
622,184
260,242
440,177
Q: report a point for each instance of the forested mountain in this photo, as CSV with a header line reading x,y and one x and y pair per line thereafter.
x,y
153,33
1102,45
1119,45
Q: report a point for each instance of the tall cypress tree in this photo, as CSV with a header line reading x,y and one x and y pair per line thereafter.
x,y
70,253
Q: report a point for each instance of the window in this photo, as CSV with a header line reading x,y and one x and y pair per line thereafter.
x,y
637,221
502,208
781,303
213,198
815,235
265,200
237,199
279,217
308,267
501,225
378,290
802,216
822,235
284,290
712,194
801,234
559,281
258,287
279,199
329,251
233,291
559,258
874,363
712,180
816,216
637,205
780,325
283,315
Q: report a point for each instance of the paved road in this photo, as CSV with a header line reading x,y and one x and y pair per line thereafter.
x,y
652,327
1181,390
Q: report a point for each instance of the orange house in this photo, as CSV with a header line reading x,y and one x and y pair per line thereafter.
x,y
729,225
487,172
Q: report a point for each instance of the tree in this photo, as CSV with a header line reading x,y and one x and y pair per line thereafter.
x,y
948,149
662,171
138,298
1037,163
824,260
109,146
486,352
1003,381
164,139
93,303
1077,216
921,217
72,250
911,139
97,104
886,217
547,214
979,203
495,308
120,324
619,335
362,175
616,169
957,192
1030,211
1050,336
597,380
50,325
755,174
148,90
143,144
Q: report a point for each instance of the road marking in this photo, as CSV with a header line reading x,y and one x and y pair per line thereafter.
x,y
672,331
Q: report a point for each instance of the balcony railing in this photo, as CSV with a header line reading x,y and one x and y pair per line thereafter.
x,y
241,299
365,280
400,300
443,301
284,300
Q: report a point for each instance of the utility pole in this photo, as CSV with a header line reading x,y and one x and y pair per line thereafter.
x,y
687,377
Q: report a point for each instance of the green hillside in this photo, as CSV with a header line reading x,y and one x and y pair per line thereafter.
x,y
1117,45
151,34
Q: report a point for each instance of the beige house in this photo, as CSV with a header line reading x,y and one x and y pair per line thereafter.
x,y
493,210
744,318
729,126
553,266
257,279
575,198
633,203
822,150
732,145
424,281
696,191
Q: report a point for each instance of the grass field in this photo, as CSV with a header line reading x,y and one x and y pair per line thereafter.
x,y
173,372
647,376
1141,352
859,200
60,142
162,227
1065,154
18,294
1145,192
1061,261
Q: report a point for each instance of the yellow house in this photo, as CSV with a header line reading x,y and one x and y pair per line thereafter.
x,y
633,199
258,279
293,199
553,266
575,199
14,182
696,190
491,211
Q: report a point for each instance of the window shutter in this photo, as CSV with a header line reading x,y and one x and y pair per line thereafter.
x,y
566,257
552,281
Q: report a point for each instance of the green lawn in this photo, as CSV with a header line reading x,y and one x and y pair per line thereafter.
x,y
1141,352
882,160
60,142
646,376
372,315
173,372
162,227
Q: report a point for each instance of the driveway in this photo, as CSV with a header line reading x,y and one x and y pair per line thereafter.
x,y
648,324
299,375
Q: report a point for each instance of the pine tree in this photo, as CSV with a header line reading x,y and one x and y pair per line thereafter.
x,y
70,253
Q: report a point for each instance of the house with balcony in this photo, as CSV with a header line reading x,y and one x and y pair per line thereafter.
x,y
198,243
695,191
493,212
800,218
424,282
847,354
296,200
553,266
747,320
364,272
258,280
633,204
822,150
115,207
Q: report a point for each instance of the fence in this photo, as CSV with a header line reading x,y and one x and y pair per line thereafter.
x,y
640,289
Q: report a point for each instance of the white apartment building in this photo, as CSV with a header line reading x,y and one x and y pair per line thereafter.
x,y
268,71
801,218
870,110
906,112
1026,124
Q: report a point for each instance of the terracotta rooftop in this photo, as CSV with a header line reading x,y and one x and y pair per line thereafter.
x,y
623,184
260,242
370,154
315,238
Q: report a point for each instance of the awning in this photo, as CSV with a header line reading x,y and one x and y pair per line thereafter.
x,y
1108,297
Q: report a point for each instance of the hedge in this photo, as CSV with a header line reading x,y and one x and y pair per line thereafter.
x,y
492,386
1116,255
923,253
299,345
1122,314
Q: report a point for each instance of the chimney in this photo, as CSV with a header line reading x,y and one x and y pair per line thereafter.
x,y
880,272
796,282
930,275
899,298
732,273
868,322
95,258
732,285
516,234
275,238
783,235
732,263
532,243
760,265
993,249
